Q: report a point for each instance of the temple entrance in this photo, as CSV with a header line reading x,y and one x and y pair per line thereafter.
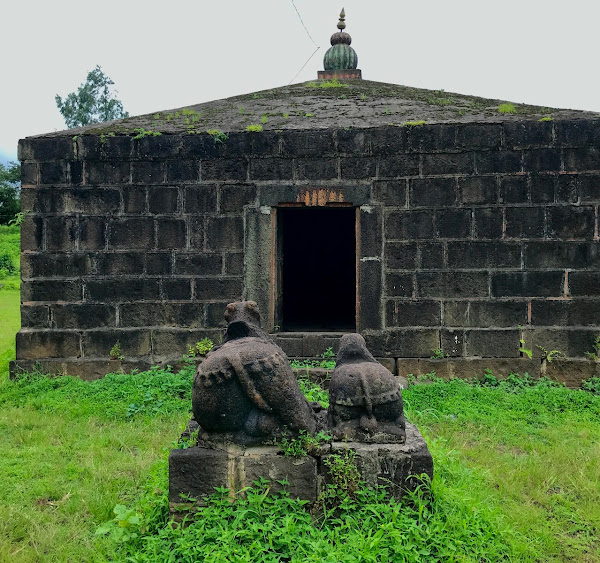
x,y
316,269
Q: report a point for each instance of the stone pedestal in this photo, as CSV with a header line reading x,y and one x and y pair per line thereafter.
x,y
195,472
390,465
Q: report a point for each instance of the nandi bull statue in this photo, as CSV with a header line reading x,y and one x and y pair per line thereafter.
x,y
245,391
365,399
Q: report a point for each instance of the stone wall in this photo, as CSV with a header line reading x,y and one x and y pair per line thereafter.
x,y
473,236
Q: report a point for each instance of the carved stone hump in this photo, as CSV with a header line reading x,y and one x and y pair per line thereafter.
x,y
365,398
245,390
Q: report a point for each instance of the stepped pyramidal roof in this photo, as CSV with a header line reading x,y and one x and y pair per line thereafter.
x,y
338,99
327,104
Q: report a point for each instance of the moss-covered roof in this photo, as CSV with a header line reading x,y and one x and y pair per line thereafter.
x,y
328,104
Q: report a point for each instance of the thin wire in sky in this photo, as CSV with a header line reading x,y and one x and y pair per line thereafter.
x,y
310,37
304,26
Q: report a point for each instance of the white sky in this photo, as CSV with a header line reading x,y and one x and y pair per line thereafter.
x,y
170,54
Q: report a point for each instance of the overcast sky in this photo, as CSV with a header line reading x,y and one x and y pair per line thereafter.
x,y
163,55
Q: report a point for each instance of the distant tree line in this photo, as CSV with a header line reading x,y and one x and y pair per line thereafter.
x,y
10,191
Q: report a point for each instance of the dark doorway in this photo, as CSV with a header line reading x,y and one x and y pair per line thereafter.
x,y
317,250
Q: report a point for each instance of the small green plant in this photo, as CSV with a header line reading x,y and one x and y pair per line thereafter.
x,y
104,137
201,348
461,112
141,133
304,444
116,353
363,96
218,136
507,108
438,354
550,355
264,118
254,127
429,377
595,354
489,379
186,442
326,361
591,385
545,118
18,219
285,116
308,115
413,123
256,96
342,97
313,392
525,351
157,116
123,527
242,110
343,472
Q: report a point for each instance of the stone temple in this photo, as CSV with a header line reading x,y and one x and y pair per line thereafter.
x,y
432,223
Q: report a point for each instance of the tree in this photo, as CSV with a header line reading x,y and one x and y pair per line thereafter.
x,y
10,183
94,102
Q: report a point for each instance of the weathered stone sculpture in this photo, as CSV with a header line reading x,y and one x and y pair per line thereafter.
x,y
245,394
365,399
245,391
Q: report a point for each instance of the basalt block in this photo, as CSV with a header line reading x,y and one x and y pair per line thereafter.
x,y
195,472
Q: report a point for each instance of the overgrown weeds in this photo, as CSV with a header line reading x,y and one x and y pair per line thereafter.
x,y
260,526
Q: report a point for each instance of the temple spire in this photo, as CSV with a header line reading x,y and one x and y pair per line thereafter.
x,y
340,60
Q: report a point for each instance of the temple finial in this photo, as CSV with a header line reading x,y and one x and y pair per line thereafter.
x,y
342,23
340,60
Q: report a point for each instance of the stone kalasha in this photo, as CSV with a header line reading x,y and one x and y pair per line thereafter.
x,y
365,399
245,391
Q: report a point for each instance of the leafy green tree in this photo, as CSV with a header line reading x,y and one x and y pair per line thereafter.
x,y
94,102
10,183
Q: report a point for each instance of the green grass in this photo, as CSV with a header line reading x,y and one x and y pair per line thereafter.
x,y
516,478
73,450
537,450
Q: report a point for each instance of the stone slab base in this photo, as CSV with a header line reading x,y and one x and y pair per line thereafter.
x,y
195,472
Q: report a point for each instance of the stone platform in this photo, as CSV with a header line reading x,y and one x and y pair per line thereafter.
x,y
195,472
